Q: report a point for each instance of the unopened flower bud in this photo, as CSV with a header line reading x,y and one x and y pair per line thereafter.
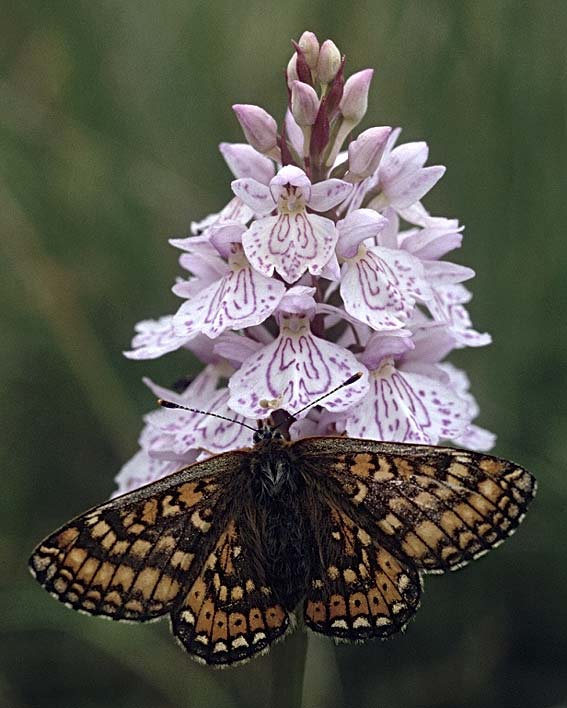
x,y
329,61
354,102
304,104
310,47
259,127
291,72
365,152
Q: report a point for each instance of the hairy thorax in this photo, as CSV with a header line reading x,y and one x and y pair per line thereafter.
x,y
278,518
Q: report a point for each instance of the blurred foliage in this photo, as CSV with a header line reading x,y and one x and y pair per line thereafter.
x,y
110,117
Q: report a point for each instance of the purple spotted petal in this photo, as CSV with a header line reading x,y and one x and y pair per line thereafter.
x,y
476,438
443,272
380,287
235,210
413,187
255,195
298,300
183,431
235,348
431,344
403,160
244,161
290,243
329,194
447,306
417,214
207,267
154,338
172,434
224,235
242,298
293,371
408,407
294,177
356,227
386,345
403,179
433,243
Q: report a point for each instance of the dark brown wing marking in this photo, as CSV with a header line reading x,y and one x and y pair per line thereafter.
x,y
441,507
361,590
229,613
130,559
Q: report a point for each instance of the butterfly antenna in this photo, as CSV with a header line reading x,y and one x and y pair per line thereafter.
x,y
170,404
352,379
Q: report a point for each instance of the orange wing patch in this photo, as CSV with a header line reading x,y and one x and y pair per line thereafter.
x,y
129,558
228,615
437,507
362,589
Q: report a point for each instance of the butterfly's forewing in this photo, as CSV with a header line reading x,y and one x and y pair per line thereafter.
x,y
436,507
359,589
229,613
132,557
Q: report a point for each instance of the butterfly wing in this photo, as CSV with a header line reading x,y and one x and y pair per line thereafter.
x,y
132,557
230,613
359,588
436,507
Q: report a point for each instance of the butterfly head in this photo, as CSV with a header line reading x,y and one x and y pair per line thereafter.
x,y
266,433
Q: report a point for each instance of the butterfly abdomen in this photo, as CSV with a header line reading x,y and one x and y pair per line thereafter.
x,y
276,524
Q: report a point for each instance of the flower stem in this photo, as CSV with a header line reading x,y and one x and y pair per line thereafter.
x,y
288,670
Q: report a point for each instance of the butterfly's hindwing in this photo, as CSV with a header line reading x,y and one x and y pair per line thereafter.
x,y
360,590
437,507
131,558
229,613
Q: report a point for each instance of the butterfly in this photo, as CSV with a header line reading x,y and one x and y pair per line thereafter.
x,y
339,529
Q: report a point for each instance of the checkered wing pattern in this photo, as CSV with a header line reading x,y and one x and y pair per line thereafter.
x,y
229,613
435,508
360,589
131,558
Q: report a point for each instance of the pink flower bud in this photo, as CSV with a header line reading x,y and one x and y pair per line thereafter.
x,y
365,152
304,103
355,96
291,72
329,62
310,47
259,127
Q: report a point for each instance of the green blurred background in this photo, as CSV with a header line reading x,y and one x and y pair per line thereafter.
x,y
110,117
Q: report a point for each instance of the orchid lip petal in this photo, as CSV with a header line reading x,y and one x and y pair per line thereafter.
x,y
380,287
294,371
154,338
242,298
290,243
407,407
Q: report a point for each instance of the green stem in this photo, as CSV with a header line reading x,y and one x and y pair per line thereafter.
x,y
288,670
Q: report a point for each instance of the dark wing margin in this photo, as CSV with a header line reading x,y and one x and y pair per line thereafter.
x,y
361,590
437,507
131,558
229,613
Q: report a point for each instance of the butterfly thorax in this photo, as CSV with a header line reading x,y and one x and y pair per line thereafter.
x,y
275,522
271,464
